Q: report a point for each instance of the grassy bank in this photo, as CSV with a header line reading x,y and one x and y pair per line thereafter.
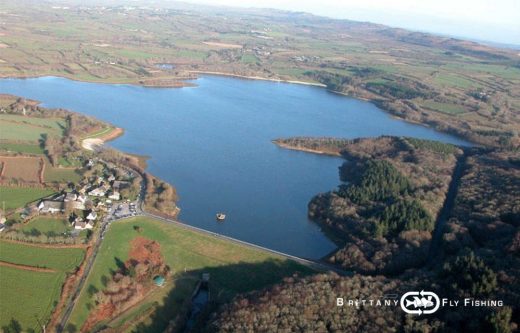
x,y
234,268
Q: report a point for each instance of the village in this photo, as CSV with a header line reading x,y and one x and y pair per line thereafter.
x,y
107,191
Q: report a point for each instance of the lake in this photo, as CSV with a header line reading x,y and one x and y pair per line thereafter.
x,y
213,143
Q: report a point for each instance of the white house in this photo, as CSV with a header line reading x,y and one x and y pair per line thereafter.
x,y
115,196
79,224
97,192
92,216
50,206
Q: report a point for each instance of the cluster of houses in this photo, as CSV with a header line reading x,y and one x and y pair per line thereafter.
x,y
94,195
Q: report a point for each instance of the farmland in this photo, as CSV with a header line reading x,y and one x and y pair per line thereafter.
x,y
14,127
16,197
21,169
23,148
29,293
61,175
60,259
234,268
455,85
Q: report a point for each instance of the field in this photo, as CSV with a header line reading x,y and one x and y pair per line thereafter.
x,y
60,175
47,225
15,127
444,107
59,259
24,148
28,293
23,169
233,268
16,197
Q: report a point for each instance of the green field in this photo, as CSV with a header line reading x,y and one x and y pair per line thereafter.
x,y
62,259
16,197
60,175
444,107
234,268
27,148
15,127
47,225
30,296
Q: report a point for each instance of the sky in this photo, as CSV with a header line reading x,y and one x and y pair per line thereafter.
x,y
486,20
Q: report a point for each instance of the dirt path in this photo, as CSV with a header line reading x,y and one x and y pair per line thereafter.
x,y
26,267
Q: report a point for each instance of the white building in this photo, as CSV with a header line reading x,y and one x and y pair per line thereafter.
x,y
50,206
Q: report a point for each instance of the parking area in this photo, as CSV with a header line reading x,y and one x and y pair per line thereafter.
x,y
122,210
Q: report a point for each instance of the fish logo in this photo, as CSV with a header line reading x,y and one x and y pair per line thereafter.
x,y
420,302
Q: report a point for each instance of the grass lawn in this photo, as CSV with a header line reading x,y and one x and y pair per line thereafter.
x,y
47,225
27,148
30,296
234,268
15,197
60,175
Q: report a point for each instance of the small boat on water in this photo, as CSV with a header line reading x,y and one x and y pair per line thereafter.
x,y
221,216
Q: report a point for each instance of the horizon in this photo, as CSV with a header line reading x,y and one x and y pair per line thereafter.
x,y
501,29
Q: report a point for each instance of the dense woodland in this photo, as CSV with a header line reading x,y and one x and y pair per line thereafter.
x,y
478,256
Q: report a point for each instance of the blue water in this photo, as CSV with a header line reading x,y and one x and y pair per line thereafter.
x,y
213,143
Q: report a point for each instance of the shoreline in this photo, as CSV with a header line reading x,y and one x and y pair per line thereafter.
x,y
180,82
306,150
259,78
95,144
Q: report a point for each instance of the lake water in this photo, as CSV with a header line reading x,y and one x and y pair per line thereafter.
x,y
213,143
